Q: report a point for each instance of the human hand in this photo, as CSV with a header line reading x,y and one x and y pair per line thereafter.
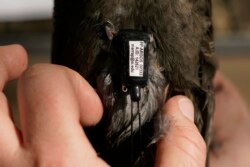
x,y
231,143
54,103
182,145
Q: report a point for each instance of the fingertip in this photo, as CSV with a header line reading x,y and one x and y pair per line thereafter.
x,y
90,103
95,107
173,101
14,58
179,104
187,108
22,61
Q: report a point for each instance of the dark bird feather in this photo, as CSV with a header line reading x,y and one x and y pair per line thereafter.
x,y
180,61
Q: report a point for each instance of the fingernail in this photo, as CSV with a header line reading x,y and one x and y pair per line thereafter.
x,y
186,108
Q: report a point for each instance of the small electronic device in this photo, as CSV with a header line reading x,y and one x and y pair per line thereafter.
x,y
134,48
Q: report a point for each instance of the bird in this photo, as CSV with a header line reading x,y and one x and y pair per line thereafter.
x,y
137,54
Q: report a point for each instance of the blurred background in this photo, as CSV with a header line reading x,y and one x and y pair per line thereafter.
x,y
29,23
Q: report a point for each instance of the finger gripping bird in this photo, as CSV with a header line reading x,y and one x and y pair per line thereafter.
x,y
137,54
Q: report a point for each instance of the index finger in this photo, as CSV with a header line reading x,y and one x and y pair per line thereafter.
x,y
53,101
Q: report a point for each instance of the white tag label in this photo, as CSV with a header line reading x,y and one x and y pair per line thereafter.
x,y
136,58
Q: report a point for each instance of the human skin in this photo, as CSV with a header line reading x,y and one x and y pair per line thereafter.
x,y
231,126
51,115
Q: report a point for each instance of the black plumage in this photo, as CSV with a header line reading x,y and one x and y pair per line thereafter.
x,y
180,61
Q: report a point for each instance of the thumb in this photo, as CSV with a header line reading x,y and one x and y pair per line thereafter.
x,y
182,145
